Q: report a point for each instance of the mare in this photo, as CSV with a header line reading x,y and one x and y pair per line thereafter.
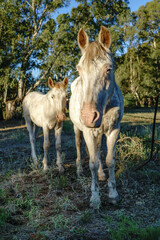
x,y
46,111
96,108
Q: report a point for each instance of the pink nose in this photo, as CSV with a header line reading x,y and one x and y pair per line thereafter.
x,y
61,117
89,115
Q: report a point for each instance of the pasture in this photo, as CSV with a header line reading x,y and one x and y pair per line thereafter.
x,y
35,205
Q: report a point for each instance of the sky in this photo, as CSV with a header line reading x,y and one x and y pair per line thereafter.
x,y
134,5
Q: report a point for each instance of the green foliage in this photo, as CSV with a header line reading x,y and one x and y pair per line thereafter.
x,y
4,215
61,182
127,228
138,69
60,222
129,100
32,39
86,216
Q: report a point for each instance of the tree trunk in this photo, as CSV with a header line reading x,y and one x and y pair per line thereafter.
x,y
20,89
13,109
10,109
133,89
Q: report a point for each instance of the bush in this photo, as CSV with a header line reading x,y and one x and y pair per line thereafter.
x,y
129,100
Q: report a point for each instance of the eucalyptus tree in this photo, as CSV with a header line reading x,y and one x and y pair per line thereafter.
x,y
27,21
138,71
90,15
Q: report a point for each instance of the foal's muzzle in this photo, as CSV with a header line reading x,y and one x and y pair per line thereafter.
x,y
61,117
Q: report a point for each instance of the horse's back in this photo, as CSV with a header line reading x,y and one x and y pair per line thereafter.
x,y
32,103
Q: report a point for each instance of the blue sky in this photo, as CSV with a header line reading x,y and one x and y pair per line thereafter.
x,y
134,5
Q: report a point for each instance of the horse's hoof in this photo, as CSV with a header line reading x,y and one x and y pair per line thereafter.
x,y
45,169
61,169
80,174
95,203
114,201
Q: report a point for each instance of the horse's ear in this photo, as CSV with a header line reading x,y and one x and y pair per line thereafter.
x,y
65,82
51,84
83,39
104,37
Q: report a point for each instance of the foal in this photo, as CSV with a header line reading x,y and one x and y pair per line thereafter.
x,y
96,108
46,111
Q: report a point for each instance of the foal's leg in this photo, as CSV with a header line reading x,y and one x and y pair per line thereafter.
x,y
30,127
93,164
110,161
46,145
78,140
58,130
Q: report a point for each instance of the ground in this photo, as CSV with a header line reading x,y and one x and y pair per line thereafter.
x,y
37,205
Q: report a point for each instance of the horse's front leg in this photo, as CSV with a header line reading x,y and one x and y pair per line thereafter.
x,y
30,127
58,130
93,164
46,145
110,161
101,174
78,141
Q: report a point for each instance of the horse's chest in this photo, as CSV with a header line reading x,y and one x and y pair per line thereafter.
x,y
110,119
52,124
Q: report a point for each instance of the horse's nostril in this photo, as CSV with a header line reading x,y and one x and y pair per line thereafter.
x,y
96,116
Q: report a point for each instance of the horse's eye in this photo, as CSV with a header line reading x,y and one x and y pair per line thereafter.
x,y
108,70
53,97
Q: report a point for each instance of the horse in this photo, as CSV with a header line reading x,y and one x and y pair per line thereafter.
x,y
96,109
46,111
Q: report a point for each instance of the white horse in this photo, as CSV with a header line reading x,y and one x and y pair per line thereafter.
x,y
96,108
46,111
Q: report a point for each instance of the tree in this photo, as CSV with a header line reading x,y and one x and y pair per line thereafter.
x,y
25,27
138,72
90,15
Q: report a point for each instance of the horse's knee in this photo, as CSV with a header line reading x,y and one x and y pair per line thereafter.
x,y
110,162
94,165
58,146
46,145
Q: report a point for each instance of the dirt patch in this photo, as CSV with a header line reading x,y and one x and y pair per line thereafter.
x,y
53,206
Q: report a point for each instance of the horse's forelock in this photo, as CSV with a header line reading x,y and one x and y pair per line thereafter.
x,y
59,85
94,51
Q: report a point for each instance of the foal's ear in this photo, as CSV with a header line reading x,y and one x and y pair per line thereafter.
x,y
83,40
104,37
65,82
51,84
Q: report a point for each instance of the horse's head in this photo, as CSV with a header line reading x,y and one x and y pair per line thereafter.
x,y
57,97
96,71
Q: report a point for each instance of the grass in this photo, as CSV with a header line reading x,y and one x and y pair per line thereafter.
x,y
125,228
4,215
37,205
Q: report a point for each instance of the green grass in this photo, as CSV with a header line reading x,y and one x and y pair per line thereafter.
x,y
125,228
4,215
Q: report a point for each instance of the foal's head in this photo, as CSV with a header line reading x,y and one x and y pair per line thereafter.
x,y
57,97
96,71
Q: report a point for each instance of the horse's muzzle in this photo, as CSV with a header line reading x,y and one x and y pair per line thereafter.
x,y
61,117
90,116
